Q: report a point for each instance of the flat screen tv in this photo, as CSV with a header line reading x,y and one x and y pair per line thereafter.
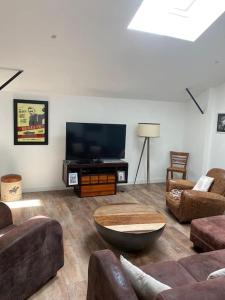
x,y
90,141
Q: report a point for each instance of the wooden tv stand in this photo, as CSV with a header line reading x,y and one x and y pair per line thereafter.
x,y
95,178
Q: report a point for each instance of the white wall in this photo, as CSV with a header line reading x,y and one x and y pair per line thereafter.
x,y
41,166
205,144
195,133
217,153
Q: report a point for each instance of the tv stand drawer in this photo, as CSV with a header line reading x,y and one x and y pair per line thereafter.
x,y
97,190
98,179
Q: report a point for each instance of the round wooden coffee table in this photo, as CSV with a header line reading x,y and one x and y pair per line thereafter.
x,y
129,227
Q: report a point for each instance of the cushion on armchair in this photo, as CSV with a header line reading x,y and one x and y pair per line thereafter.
x,y
176,194
203,184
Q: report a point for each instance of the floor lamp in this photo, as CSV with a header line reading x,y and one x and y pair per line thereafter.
x,y
147,130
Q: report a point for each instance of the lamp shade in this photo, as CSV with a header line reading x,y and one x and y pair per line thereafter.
x,y
149,129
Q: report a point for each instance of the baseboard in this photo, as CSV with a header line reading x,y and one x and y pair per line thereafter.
x,y
44,189
154,180
62,187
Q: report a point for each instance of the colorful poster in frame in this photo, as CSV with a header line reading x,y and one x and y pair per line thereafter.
x,y
30,122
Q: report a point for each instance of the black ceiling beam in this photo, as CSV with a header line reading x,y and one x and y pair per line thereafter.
x,y
196,103
10,79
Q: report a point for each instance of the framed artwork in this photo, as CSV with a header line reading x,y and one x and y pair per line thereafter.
x,y
73,179
121,176
30,122
221,123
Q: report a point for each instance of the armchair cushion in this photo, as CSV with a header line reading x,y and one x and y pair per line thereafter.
x,y
180,184
203,184
176,194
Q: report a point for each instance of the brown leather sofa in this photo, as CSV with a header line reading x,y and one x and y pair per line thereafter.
x,y
30,254
195,204
187,277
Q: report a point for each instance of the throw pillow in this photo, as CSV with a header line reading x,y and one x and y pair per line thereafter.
x,y
146,287
203,184
215,274
176,194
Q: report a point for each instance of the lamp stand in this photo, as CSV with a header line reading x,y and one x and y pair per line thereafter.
x,y
147,139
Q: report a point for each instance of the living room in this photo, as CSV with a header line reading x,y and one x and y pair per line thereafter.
x,y
81,59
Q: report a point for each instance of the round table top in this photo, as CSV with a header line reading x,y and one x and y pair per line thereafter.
x,y
132,218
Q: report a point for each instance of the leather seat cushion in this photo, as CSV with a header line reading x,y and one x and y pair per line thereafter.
x,y
200,266
170,273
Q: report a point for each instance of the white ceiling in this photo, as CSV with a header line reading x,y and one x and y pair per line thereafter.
x,y
95,55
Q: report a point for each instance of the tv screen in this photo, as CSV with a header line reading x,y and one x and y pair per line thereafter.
x,y
95,141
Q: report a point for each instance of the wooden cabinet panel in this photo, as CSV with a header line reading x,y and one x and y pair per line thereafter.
x,y
98,189
112,178
103,178
99,193
94,179
85,179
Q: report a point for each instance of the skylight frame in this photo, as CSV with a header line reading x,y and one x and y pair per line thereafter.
x,y
166,18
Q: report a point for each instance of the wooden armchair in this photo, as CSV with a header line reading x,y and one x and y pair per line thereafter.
x,y
196,204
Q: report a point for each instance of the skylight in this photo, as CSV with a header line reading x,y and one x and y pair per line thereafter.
x,y
182,19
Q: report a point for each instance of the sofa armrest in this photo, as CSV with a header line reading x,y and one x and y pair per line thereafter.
x,y
30,254
197,204
5,215
180,184
106,279
213,289
28,237
198,197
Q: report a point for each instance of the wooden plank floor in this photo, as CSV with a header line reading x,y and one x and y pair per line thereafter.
x,y
81,238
